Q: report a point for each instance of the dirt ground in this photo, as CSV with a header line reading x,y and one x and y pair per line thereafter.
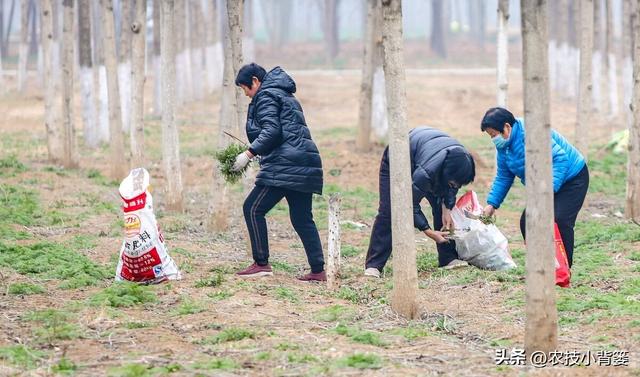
x,y
466,315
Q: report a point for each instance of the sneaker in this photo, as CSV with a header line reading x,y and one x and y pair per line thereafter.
x,y
456,263
256,270
317,276
372,271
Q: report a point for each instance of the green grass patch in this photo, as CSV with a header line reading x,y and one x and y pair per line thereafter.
x,y
216,363
124,294
347,250
220,295
47,260
142,370
426,261
287,294
64,366
137,325
360,336
96,176
25,289
301,358
231,334
356,295
360,361
212,281
10,166
608,174
283,266
411,332
21,356
188,306
333,313
55,325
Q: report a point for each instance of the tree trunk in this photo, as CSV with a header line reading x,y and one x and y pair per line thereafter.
x,y
611,63
157,77
24,45
564,55
503,52
170,140
248,41
405,274
331,35
627,63
2,48
379,116
598,48
554,45
139,42
52,90
213,56
632,208
364,119
333,249
228,113
584,93
8,34
89,116
124,64
100,74
541,328
69,155
234,11
196,48
118,162
477,18
438,43
186,51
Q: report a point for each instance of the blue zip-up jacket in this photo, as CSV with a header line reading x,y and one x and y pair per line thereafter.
x,y
567,163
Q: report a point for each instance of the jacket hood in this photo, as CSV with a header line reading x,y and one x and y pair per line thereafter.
x,y
279,79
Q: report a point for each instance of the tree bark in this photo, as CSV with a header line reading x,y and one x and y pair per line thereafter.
x,y
124,64
438,43
170,140
196,48
598,48
612,78
118,163
89,116
632,207
213,57
333,249
627,63
157,76
584,93
8,33
52,89
405,275
139,42
100,74
503,53
331,22
364,118
541,328
379,115
228,113
69,153
24,45
234,11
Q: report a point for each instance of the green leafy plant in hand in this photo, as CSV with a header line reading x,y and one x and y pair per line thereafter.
x,y
226,157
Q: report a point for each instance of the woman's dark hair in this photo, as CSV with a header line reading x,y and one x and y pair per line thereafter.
x,y
248,72
495,118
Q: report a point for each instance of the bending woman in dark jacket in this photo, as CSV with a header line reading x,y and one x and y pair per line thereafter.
x,y
290,166
440,165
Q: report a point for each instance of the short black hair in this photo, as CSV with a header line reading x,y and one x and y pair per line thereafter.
x,y
495,118
248,72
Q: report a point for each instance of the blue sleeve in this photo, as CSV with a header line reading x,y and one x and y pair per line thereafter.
x,y
419,219
267,117
501,184
560,165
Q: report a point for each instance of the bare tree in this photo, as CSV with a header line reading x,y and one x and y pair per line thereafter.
x,y
89,116
627,63
379,114
69,155
24,45
170,140
632,207
541,328
228,113
196,47
248,41
330,28
124,64
234,12
438,43
52,89
584,93
598,48
554,45
405,275
157,77
100,73
333,248
138,43
118,163
5,42
610,64
364,119
503,52
214,55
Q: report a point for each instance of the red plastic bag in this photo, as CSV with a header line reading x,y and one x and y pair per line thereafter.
x,y
563,273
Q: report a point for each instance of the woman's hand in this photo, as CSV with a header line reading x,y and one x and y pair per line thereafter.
x,y
488,210
437,236
447,221
242,160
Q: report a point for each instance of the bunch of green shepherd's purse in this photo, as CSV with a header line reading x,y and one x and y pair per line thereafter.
x,y
226,157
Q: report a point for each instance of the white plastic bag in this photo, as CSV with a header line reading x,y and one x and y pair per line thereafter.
x,y
481,245
143,255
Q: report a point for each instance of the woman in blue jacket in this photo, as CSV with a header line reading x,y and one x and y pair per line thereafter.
x,y
570,173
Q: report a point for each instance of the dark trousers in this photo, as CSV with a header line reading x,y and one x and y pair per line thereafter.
x,y
567,202
260,201
380,242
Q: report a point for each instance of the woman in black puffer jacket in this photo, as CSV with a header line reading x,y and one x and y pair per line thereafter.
x,y
290,166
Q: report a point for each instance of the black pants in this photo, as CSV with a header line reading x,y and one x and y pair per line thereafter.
x,y
567,202
260,201
380,243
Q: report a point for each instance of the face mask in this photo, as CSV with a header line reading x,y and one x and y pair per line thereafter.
x,y
500,142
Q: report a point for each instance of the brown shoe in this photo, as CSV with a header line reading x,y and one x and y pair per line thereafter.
x,y
256,270
317,276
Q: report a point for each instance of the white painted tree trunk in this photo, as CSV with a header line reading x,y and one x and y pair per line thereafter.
x,y
23,48
333,249
117,159
186,53
124,65
553,65
405,275
170,139
196,49
612,77
52,89
69,149
228,113
363,140
157,76
627,62
234,12
139,43
503,53
214,60
632,207
584,94
541,327
379,117
104,131
89,114
596,70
